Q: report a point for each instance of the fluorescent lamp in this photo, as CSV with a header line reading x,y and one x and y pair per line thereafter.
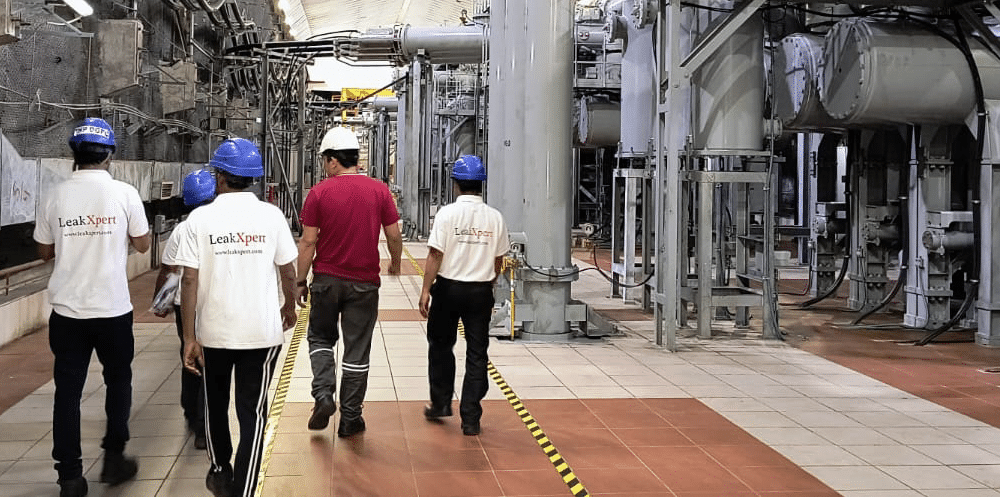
x,y
81,7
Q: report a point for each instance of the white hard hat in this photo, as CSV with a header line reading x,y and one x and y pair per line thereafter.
x,y
339,138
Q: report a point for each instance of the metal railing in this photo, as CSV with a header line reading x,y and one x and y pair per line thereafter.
x,y
22,275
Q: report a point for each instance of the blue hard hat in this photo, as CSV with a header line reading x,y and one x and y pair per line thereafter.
x,y
93,130
239,157
468,168
199,187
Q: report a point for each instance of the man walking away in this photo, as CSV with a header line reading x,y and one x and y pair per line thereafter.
x,y
233,252
467,243
199,189
341,219
87,224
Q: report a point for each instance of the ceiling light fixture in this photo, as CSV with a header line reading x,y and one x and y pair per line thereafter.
x,y
81,7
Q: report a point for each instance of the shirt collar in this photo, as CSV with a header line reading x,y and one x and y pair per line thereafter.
x,y
475,199
93,173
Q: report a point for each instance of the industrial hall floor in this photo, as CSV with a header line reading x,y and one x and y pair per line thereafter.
x,y
829,411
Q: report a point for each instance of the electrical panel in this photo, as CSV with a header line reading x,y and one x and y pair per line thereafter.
x,y
119,44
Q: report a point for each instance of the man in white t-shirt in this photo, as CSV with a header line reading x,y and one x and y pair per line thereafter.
x,y
466,247
233,252
87,224
198,190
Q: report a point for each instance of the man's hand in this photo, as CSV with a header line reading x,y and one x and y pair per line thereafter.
x,y
425,303
302,295
194,359
288,316
394,268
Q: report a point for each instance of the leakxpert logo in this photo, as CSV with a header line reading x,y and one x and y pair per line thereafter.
x,y
89,221
244,239
473,231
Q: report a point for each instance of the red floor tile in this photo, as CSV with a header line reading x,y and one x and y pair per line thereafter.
x,y
739,456
458,484
628,481
535,482
600,457
777,478
640,437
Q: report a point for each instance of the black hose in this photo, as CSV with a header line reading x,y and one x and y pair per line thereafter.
x,y
972,288
904,229
852,150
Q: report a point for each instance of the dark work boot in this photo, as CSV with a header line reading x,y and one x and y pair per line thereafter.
x,y
324,408
118,468
350,427
432,411
74,487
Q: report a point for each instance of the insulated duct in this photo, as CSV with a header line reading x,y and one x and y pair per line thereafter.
x,y
896,74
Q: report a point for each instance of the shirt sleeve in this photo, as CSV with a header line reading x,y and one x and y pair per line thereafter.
x,y
187,247
138,225
170,250
503,242
309,215
43,232
436,238
286,250
389,213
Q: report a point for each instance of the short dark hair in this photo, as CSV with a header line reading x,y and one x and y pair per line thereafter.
x,y
235,182
347,157
469,186
90,154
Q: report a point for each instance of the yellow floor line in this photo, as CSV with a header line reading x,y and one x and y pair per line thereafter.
x,y
280,392
574,484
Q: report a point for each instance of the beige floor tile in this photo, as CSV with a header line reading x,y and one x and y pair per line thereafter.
x,y
891,455
855,478
930,477
818,455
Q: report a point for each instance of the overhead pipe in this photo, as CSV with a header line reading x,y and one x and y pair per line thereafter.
x,y
401,44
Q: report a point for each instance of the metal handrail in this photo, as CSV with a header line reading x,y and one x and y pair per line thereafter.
x,y
6,274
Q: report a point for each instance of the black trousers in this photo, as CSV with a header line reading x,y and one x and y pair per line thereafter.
x,y
192,398
72,341
472,302
253,371
348,308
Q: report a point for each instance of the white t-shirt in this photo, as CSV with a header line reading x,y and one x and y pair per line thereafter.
x,y
471,235
237,243
89,218
170,253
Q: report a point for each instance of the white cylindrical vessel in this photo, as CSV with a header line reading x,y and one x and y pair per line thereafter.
x,y
895,74
599,123
444,45
797,72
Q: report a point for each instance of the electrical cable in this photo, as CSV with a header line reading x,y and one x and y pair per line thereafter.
x,y
972,286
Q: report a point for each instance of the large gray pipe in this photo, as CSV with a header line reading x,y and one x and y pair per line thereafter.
x,y
547,186
516,159
495,150
443,45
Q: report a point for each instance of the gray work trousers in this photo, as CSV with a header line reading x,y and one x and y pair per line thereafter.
x,y
348,307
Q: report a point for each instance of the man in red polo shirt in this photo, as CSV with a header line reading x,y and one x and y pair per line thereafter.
x,y
341,220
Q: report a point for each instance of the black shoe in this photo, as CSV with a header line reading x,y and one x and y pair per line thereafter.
x,y
221,483
200,443
350,427
75,487
470,429
434,412
324,408
118,468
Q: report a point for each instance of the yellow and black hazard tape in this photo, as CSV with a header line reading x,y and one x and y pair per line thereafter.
x,y
280,393
565,471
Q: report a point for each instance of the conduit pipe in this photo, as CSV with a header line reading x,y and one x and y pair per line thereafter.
x,y
401,44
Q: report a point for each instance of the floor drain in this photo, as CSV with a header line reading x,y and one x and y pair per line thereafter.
x,y
990,370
